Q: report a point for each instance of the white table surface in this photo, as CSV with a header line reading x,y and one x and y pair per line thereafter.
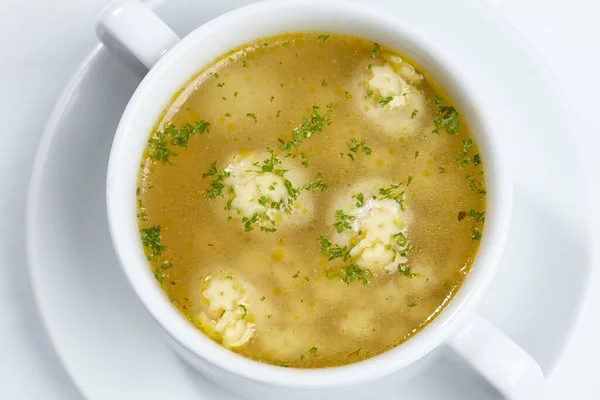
x,y
42,42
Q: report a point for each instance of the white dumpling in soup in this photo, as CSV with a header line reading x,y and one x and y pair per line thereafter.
x,y
371,222
386,93
263,191
226,317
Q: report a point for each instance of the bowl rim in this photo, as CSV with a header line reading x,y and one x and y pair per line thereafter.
x,y
132,133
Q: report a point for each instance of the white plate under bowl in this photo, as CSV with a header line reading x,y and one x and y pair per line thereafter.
x,y
111,347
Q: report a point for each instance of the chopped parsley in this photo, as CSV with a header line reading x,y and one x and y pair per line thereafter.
x,y
463,155
296,274
262,298
244,64
442,170
437,99
157,149
350,273
317,184
323,83
393,193
354,146
157,145
343,221
383,101
158,271
476,160
447,118
272,98
409,180
215,188
412,304
310,126
221,84
304,160
151,240
333,251
253,116
477,216
369,93
414,113
416,153
404,270
360,199
475,233
244,311
323,37
258,218
313,350
475,185
278,113
375,51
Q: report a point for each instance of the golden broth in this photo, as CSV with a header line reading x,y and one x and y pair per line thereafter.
x,y
299,308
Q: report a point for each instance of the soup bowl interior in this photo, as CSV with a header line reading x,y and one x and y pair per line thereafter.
x,y
198,50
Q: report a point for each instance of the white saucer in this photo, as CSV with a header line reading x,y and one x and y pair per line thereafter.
x,y
112,348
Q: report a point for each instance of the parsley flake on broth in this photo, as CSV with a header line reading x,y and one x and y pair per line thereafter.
x,y
296,208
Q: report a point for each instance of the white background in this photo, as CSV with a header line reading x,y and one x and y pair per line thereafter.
x,y
42,42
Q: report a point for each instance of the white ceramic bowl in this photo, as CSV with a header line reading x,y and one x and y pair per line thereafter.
x,y
128,25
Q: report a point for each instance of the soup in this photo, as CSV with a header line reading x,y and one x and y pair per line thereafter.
x,y
311,200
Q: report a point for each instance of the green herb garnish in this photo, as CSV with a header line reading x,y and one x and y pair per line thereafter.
x,y
253,116
354,146
350,273
462,157
343,221
215,188
323,37
475,185
304,160
360,199
151,240
317,184
447,118
333,251
244,311
393,193
477,216
383,101
404,270
414,113
375,51
475,233
310,126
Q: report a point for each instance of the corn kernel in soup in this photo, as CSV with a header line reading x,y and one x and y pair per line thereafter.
x,y
311,200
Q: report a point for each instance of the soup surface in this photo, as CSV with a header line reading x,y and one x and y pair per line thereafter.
x,y
311,200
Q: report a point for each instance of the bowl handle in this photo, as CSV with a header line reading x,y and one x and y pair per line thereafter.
x,y
494,357
128,27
